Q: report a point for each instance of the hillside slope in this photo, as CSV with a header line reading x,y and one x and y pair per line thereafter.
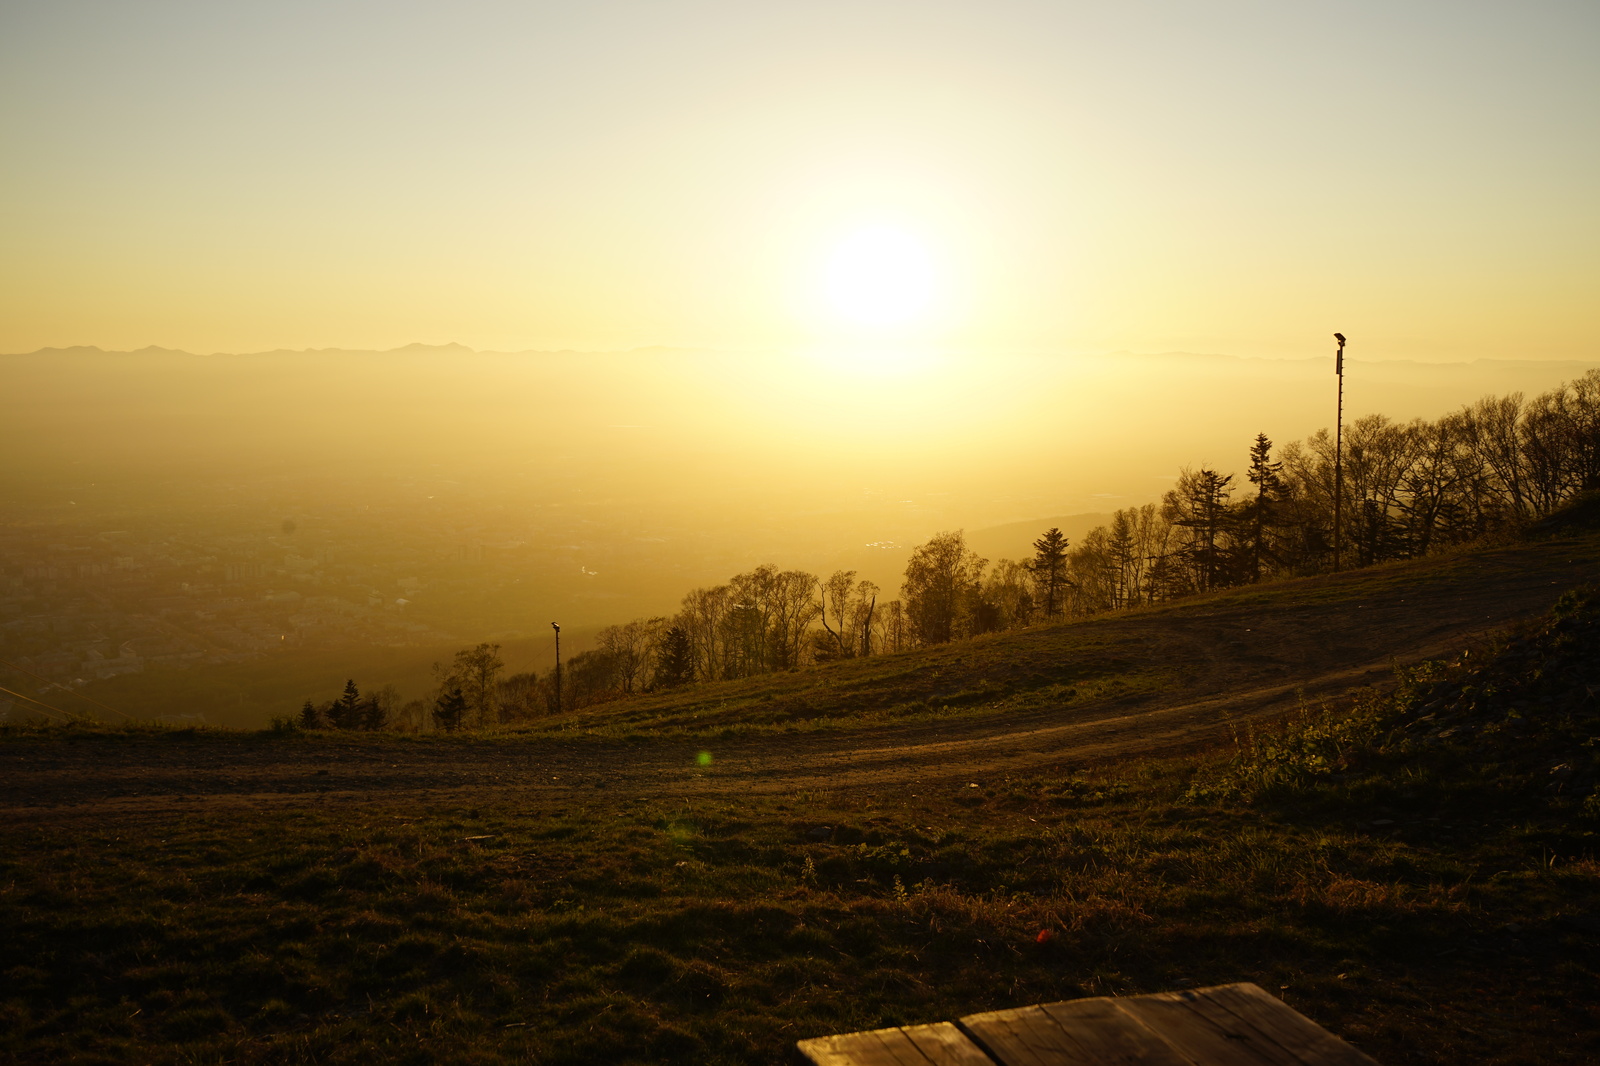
x,y
1153,682
1413,869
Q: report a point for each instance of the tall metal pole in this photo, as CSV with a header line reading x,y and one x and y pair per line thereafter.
x,y
557,627
1338,455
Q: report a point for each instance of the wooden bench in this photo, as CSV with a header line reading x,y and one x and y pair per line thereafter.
x,y
1237,1025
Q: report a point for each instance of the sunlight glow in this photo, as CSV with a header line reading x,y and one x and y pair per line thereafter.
x,y
881,276
868,360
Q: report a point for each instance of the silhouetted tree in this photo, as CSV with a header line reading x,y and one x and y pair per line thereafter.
x,y
758,622
862,614
1121,558
1093,573
519,697
1264,475
941,586
1049,568
833,601
591,677
346,712
675,660
703,617
410,717
629,647
310,717
1199,504
449,709
845,607
474,673
379,708
890,631
1008,595
1149,533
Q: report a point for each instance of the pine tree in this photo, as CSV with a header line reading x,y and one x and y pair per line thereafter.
x,y
1200,504
373,715
675,661
309,717
1264,474
346,710
1049,567
449,707
1123,556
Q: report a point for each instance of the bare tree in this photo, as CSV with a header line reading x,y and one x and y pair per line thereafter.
x,y
1009,591
1092,573
1151,534
845,607
890,630
941,585
629,646
472,675
790,616
703,617
521,697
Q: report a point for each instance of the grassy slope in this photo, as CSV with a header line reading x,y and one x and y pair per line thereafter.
x,y
1415,870
1127,658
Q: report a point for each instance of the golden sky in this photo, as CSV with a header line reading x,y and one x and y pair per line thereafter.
x,y
1220,177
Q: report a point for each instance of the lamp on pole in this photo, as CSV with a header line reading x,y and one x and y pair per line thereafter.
x,y
1338,454
557,627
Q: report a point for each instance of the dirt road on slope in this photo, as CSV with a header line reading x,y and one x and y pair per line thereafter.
x,y
1231,657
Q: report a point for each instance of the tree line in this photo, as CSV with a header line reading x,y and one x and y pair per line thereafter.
x,y
1407,489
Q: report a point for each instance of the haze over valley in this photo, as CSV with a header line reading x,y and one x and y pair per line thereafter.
x,y
176,512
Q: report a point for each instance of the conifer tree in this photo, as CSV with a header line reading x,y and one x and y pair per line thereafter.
x,y
675,662
1199,503
1264,474
346,711
449,707
1049,568
374,712
309,716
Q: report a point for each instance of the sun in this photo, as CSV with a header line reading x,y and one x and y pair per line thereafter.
x,y
881,277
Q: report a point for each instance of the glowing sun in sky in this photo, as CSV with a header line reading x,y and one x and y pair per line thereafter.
x,y
881,277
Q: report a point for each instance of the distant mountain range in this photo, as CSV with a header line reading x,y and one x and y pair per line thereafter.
x,y
1188,358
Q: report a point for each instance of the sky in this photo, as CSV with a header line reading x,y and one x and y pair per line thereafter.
x,y
1241,178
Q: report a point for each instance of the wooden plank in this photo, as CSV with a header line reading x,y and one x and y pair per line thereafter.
x,y
946,1045
1241,1024
1302,1038
940,1044
1228,1025
1209,1035
1111,1036
1025,1036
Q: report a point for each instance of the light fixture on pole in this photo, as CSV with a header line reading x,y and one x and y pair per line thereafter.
x,y
557,627
1338,453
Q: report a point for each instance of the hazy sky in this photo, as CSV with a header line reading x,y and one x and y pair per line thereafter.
x,y
1234,177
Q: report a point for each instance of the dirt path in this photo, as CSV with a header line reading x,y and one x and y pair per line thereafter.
x,y
1233,657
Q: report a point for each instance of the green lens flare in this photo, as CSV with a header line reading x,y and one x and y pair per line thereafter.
x,y
704,758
